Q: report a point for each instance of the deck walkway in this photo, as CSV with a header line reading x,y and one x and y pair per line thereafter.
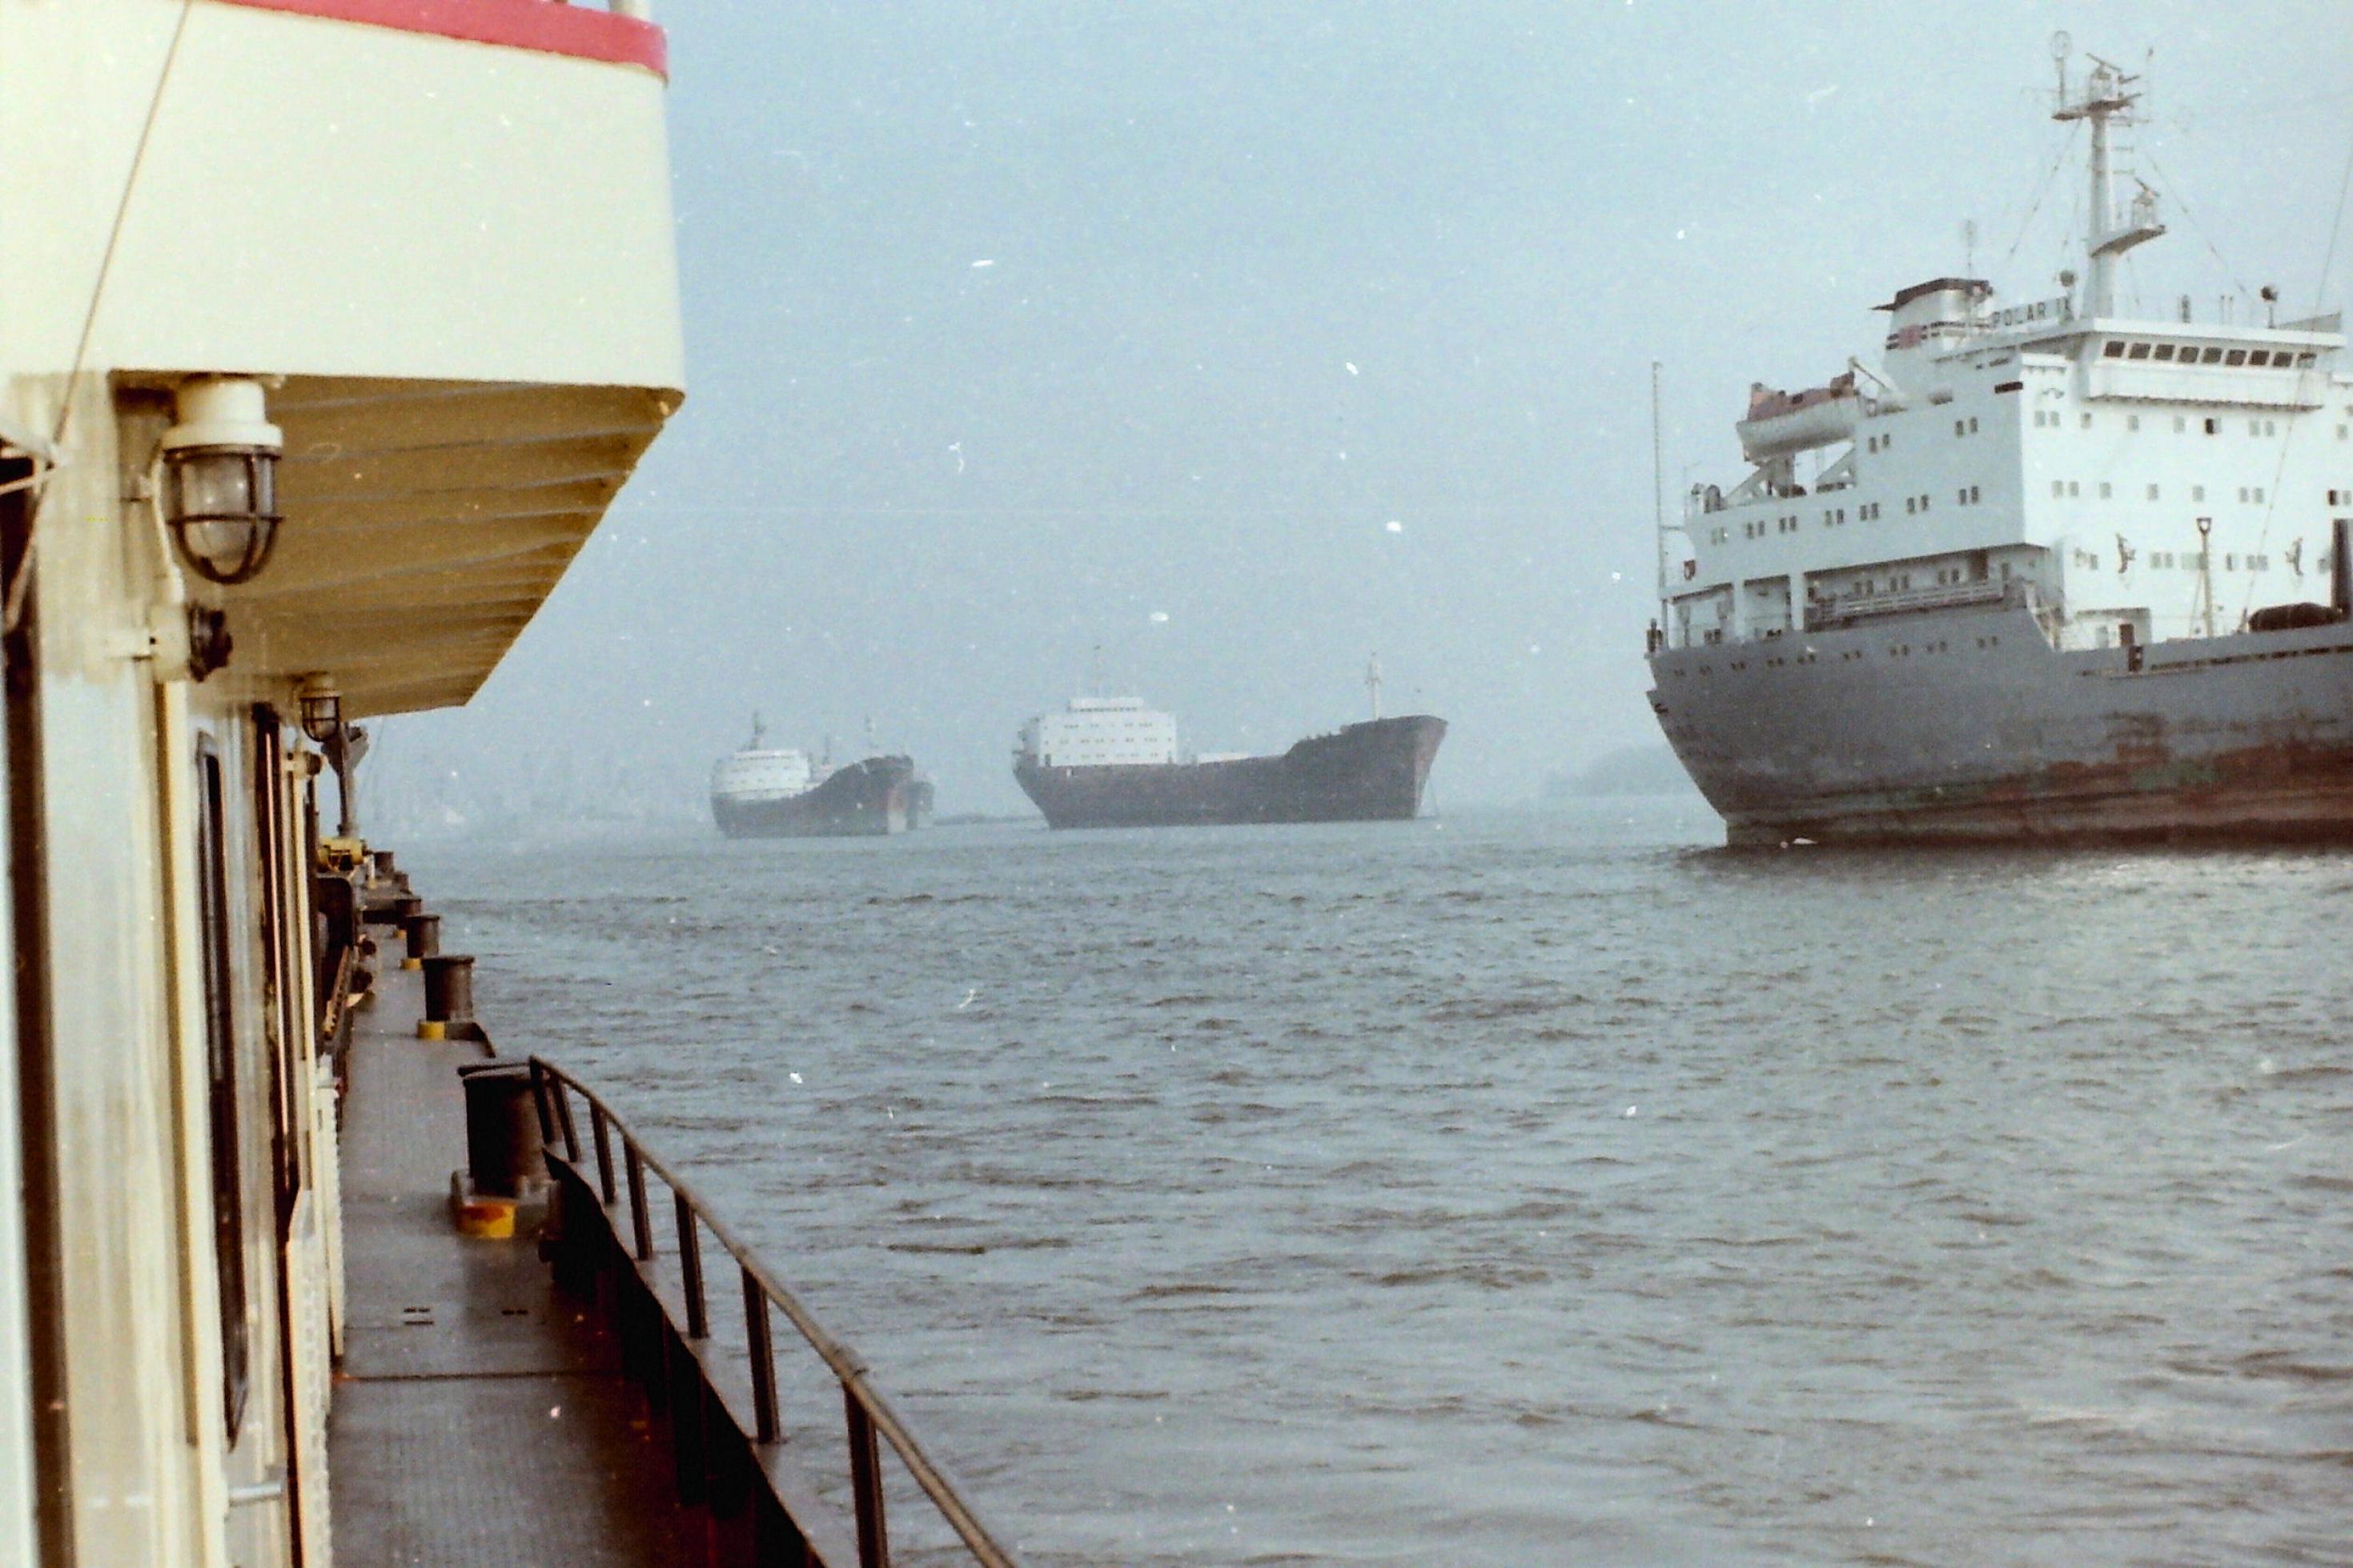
x,y
478,1416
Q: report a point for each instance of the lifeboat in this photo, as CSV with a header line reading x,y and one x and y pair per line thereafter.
x,y
1782,422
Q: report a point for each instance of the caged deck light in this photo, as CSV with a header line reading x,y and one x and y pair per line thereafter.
x,y
323,710
220,477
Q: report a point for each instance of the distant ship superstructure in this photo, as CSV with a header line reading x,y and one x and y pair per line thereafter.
x,y
1111,762
2055,572
779,792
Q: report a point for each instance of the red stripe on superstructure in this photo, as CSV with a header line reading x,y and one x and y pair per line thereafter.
x,y
546,26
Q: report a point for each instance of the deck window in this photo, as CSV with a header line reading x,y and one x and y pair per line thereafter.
x,y
2113,349
2164,352
2259,356
2236,356
2138,351
2212,356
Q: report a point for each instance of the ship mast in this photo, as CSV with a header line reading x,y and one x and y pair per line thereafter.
x,y
2106,94
1373,683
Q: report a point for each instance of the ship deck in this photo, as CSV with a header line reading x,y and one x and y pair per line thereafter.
x,y
479,1416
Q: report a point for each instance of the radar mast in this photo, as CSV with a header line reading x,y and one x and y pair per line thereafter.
x,y
2106,94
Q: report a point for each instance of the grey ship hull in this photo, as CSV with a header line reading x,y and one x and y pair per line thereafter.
x,y
1967,725
1371,771
870,798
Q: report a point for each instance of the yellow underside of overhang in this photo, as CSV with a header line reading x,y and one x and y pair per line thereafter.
x,y
425,524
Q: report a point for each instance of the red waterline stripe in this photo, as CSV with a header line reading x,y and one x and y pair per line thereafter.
x,y
585,32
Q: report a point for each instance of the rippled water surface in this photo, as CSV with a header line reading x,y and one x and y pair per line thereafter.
x,y
1513,1190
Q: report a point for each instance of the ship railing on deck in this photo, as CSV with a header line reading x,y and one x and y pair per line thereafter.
x,y
1825,614
588,1174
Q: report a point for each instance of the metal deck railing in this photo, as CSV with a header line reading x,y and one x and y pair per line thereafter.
x,y
869,1419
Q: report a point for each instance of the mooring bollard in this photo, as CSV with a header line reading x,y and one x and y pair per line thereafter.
x,y
449,994
424,934
502,1145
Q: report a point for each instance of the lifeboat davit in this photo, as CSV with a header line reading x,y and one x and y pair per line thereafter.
x,y
1782,422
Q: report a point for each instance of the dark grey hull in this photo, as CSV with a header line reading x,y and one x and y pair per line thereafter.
x,y
1363,772
865,799
1967,725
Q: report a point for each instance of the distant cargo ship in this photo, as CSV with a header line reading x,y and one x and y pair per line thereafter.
x,y
1111,762
777,792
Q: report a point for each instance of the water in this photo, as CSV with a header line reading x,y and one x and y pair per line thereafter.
x,y
1513,1190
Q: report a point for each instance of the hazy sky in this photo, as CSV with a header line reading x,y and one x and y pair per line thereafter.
x,y
1012,328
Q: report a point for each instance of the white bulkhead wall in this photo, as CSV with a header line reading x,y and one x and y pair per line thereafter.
x,y
2115,485
133,1324
144,1422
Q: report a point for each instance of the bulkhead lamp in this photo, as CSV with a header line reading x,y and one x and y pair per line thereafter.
x,y
323,710
220,477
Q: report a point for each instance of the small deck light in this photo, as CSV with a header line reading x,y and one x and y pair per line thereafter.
x,y
220,477
323,710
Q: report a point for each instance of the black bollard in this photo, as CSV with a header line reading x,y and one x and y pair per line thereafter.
x,y
424,934
502,1146
448,994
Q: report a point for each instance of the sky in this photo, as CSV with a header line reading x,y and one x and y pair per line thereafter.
x,y
1240,341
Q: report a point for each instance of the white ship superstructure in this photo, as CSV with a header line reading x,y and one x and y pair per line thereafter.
x,y
1840,653
761,773
1100,732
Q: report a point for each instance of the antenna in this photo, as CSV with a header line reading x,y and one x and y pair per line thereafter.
x,y
1095,671
1969,247
1372,683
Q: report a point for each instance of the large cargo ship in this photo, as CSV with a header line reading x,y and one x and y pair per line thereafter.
x,y
1110,762
778,792
2050,571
